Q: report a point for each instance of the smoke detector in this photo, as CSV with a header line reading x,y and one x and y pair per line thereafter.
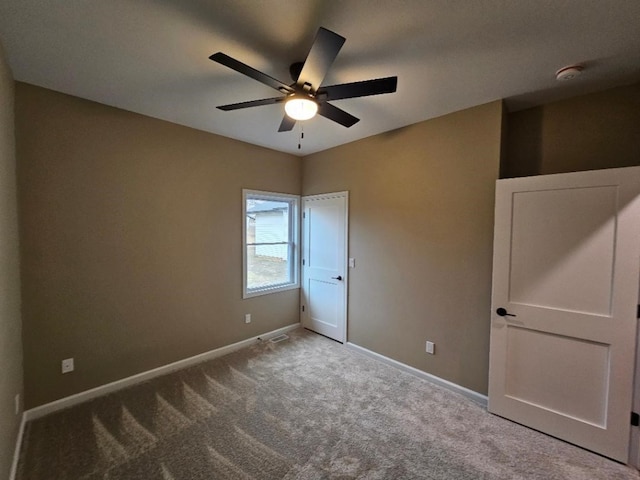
x,y
569,73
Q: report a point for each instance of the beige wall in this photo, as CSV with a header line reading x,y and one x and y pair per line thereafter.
x,y
10,323
131,241
600,130
421,229
131,228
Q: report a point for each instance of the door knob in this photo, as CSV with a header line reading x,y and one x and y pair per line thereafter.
x,y
339,277
503,312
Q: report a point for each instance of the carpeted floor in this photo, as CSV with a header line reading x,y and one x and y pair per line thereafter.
x,y
304,408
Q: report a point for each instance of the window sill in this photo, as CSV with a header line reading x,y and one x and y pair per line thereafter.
x,y
266,291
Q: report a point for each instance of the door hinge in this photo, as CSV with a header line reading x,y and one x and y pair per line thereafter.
x,y
635,419
303,262
304,214
303,308
638,315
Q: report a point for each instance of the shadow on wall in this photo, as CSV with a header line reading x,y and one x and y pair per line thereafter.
x,y
524,144
589,132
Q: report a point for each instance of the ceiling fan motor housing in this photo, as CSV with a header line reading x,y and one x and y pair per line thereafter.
x,y
295,69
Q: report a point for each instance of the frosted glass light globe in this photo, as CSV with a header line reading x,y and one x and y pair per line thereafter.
x,y
300,107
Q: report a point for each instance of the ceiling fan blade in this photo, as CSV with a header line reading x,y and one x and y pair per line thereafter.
x,y
337,115
323,52
358,89
287,124
251,72
252,103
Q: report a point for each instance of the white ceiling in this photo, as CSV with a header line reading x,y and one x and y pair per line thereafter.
x,y
151,56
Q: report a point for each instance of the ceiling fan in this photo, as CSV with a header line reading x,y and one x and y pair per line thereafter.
x,y
306,96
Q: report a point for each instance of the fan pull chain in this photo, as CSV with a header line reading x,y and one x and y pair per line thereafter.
x,y
301,136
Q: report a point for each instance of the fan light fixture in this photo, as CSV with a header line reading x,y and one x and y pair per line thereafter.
x,y
306,96
300,107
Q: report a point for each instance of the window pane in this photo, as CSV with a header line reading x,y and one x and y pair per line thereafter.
x,y
267,221
267,265
270,242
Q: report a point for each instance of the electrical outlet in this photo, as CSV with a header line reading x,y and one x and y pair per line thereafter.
x,y
247,318
17,400
67,365
431,348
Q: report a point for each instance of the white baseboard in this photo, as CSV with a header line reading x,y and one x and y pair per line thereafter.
x,y
475,396
16,453
81,397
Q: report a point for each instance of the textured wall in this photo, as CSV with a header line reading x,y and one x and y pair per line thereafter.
x,y
131,241
599,130
421,230
10,323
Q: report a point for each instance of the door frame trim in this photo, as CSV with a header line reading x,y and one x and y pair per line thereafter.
x,y
634,436
345,260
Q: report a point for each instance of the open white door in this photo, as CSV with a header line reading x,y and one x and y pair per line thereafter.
x,y
324,264
565,278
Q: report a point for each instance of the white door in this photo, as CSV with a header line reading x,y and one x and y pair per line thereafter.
x,y
565,276
324,264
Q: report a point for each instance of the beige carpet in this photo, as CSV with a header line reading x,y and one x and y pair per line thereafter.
x,y
305,408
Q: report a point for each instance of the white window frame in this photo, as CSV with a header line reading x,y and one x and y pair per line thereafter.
x,y
293,241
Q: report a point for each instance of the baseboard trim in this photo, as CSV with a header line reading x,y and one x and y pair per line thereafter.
x,y
475,396
16,453
81,397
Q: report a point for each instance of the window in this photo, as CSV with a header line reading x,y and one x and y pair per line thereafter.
x,y
270,237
